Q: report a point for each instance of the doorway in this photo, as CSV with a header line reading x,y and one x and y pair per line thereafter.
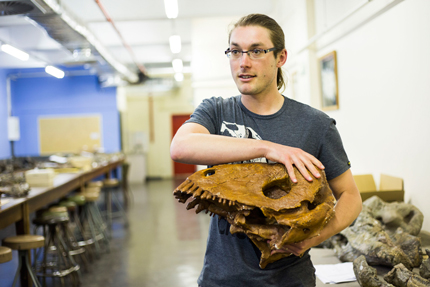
x,y
181,169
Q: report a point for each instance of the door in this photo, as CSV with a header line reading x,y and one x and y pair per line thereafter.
x,y
181,169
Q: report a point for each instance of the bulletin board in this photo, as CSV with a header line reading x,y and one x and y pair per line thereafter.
x,y
69,134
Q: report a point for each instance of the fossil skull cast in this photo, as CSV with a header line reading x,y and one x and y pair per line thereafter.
x,y
261,201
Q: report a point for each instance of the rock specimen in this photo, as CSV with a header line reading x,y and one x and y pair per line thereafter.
x,y
261,201
400,276
396,214
425,266
366,275
369,237
14,185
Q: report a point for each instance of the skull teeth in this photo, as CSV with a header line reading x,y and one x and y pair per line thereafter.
x,y
186,185
198,192
193,203
200,208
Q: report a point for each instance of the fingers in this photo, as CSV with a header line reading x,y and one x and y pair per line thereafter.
x,y
305,163
290,156
290,171
290,250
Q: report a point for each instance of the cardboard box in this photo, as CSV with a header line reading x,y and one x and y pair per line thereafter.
x,y
390,187
40,177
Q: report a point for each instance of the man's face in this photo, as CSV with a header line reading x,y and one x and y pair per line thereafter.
x,y
254,76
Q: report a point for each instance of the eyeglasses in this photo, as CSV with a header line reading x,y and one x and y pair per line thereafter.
x,y
253,54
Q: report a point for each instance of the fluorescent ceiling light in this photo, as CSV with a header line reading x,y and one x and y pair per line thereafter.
x,y
175,44
54,72
171,7
23,56
177,65
179,77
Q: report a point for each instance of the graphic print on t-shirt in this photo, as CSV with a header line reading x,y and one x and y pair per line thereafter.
x,y
241,131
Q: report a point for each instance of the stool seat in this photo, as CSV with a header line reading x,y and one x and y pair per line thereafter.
x,y
58,209
92,189
54,215
98,183
5,254
91,197
79,199
24,242
110,182
70,205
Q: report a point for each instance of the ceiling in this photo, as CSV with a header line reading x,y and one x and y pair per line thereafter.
x,y
142,24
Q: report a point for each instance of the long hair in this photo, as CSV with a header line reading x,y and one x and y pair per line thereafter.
x,y
276,36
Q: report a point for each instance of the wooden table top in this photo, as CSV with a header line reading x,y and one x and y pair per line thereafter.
x,y
12,209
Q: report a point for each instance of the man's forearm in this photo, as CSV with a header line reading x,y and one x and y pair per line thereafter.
x,y
193,144
209,149
348,207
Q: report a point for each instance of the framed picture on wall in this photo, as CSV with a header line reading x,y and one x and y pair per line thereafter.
x,y
328,80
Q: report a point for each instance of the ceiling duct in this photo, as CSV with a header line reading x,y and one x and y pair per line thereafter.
x,y
14,8
64,28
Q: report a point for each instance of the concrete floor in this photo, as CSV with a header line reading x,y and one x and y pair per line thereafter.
x,y
164,244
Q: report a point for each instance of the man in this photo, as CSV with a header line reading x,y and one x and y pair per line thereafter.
x,y
262,125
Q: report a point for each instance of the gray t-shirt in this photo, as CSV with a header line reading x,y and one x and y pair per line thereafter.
x,y
232,259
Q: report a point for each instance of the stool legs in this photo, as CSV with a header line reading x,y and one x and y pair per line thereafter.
x,y
108,198
93,223
57,259
73,246
23,256
112,200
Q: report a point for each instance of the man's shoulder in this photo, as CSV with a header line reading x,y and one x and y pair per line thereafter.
x,y
307,111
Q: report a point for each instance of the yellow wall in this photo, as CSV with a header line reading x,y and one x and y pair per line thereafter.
x,y
136,120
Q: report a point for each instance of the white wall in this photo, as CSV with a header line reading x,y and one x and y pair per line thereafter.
x,y
384,79
210,66
384,83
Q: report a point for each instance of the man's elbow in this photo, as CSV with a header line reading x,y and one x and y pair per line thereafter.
x,y
177,152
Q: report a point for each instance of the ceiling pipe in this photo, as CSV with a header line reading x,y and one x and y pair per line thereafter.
x,y
109,19
56,19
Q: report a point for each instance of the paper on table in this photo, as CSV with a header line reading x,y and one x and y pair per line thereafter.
x,y
335,273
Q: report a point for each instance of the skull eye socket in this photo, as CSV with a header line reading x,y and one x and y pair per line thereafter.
x,y
277,189
209,172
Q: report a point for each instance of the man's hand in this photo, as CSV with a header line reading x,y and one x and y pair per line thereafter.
x,y
300,247
290,156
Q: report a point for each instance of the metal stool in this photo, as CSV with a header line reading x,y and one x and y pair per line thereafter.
x,y
109,186
83,239
73,232
24,243
93,223
5,254
58,254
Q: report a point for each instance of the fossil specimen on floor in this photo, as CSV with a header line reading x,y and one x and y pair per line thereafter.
x,y
261,201
369,236
367,275
425,266
400,276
